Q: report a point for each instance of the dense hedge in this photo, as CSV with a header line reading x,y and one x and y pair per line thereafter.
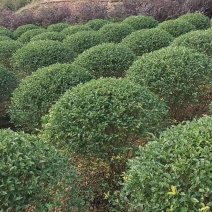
x,y
5,32
115,32
24,28
172,173
34,173
106,60
201,40
177,27
84,40
199,20
147,40
3,38
40,91
48,36
74,29
58,27
38,54
96,24
175,73
141,22
104,117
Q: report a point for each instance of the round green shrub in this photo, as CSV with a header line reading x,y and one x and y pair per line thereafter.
x,y
176,27
147,40
7,49
24,28
58,27
115,32
200,40
3,38
104,117
5,32
33,172
106,60
27,36
74,29
141,22
199,20
172,173
39,54
174,73
210,108
48,36
40,90
96,24
84,40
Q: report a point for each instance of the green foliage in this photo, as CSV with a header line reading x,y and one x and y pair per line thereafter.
x,y
141,22
115,32
106,60
177,27
48,36
104,117
57,27
200,40
199,20
28,35
147,40
38,54
36,93
5,32
74,29
84,40
172,173
7,49
24,28
3,38
210,108
96,24
177,74
13,5
33,172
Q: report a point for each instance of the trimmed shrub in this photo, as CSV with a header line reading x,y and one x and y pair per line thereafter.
x,y
74,29
34,173
5,32
48,36
199,20
115,32
40,91
27,36
38,54
172,173
104,117
96,24
3,38
7,48
84,40
201,40
177,74
177,27
58,27
24,28
210,108
106,60
147,40
141,22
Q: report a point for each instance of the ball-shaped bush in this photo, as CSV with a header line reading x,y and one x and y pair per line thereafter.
x,y
7,49
74,29
57,27
176,27
42,53
147,40
5,32
3,38
141,22
106,60
115,32
172,173
84,40
104,116
210,108
199,20
33,171
48,36
96,24
24,28
40,90
201,40
175,73
28,35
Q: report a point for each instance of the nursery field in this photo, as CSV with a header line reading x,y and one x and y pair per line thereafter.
x,y
107,116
